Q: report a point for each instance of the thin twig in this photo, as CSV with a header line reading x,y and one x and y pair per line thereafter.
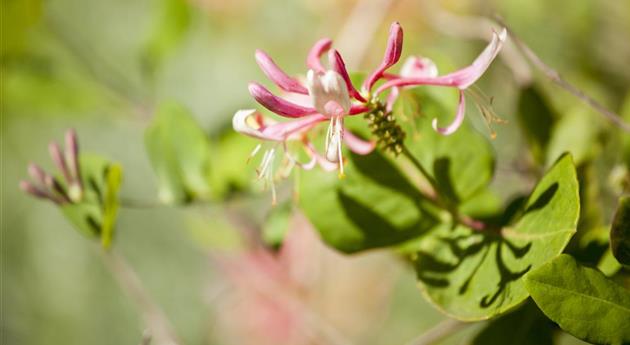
x,y
439,332
558,80
158,325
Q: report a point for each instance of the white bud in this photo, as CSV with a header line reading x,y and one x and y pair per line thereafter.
x,y
327,87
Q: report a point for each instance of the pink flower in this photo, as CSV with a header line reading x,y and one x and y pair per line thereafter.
x,y
422,71
329,95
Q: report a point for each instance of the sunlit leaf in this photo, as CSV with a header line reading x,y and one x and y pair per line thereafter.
x,y
620,231
581,300
180,154
461,163
475,275
373,206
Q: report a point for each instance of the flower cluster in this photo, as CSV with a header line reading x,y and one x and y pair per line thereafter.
x,y
328,95
46,186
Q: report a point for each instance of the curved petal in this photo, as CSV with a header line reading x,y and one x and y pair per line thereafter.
x,y
459,118
467,76
418,67
356,144
250,122
357,109
392,55
319,48
337,64
288,128
276,104
321,160
277,75
462,78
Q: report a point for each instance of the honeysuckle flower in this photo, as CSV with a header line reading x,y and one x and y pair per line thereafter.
x,y
328,94
45,186
422,71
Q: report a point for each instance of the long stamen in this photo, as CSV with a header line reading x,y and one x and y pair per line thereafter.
x,y
339,134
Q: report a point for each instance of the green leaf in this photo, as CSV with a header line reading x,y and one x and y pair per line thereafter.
x,y
95,214
476,275
536,119
576,132
581,300
374,206
620,231
525,326
461,163
180,154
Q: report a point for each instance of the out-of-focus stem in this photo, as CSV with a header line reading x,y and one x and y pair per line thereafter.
x,y
434,197
558,80
160,331
439,332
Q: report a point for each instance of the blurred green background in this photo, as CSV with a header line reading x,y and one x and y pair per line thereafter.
x,y
102,66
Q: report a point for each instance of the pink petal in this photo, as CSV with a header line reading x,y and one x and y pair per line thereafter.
x,y
241,122
277,75
418,67
357,109
337,64
356,144
321,160
459,118
467,76
392,55
391,99
288,128
276,104
462,78
319,48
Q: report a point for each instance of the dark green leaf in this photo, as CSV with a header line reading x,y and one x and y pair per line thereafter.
x,y
581,300
620,231
374,206
475,275
525,326
180,154
461,163
536,119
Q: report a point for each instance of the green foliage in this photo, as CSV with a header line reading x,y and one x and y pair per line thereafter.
x,y
581,300
374,206
95,214
180,154
525,326
536,119
475,275
575,132
620,231
16,18
462,163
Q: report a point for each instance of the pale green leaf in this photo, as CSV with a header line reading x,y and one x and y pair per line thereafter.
x,y
581,300
180,154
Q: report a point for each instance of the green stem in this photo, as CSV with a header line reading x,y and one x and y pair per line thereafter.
x,y
434,195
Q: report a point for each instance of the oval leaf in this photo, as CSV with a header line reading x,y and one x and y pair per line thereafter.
x,y
180,154
462,163
374,206
582,301
620,232
473,275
